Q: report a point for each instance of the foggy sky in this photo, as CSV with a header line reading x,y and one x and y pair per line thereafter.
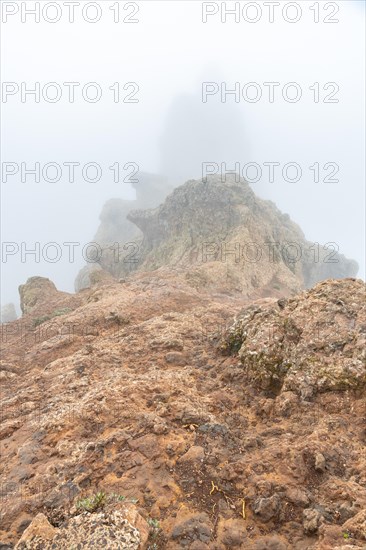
x,y
169,53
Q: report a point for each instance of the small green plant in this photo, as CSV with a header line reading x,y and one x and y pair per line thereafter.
x,y
115,496
155,531
153,523
100,500
346,536
93,503
121,498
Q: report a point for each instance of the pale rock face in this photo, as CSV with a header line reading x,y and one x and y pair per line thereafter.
x,y
41,301
40,529
311,521
116,235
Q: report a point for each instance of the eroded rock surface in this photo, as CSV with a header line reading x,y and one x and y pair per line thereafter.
x,y
130,393
311,343
228,239
99,530
40,295
91,275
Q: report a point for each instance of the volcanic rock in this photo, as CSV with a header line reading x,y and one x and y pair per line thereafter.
x,y
220,450
315,343
225,238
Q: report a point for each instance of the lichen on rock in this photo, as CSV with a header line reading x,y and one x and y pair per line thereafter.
x,y
313,343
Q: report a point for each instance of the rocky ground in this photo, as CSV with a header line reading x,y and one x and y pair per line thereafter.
x,y
148,413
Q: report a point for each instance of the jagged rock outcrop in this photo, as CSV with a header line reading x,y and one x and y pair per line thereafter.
x,y
40,297
151,190
227,238
8,313
114,225
312,343
36,291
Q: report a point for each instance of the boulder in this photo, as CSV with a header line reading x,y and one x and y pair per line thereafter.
x,y
35,291
39,529
115,529
314,343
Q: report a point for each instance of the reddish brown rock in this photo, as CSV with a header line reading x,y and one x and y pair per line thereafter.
x,y
40,528
90,404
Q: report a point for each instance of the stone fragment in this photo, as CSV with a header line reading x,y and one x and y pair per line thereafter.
x,y
311,520
267,508
175,358
39,527
195,454
319,462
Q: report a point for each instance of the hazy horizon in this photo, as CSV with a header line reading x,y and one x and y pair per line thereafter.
x,y
169,53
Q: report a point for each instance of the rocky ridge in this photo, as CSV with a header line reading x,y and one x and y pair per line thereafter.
x,y
191,394
224,237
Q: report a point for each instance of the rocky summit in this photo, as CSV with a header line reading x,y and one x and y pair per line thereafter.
x,y
223,236
202,405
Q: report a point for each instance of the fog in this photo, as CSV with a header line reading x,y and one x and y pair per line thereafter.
x,y
170,130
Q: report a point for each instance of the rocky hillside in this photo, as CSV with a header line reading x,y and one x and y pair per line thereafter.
x,y
154,413
223,236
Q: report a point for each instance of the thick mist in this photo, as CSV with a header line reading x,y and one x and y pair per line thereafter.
x,y
183,100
